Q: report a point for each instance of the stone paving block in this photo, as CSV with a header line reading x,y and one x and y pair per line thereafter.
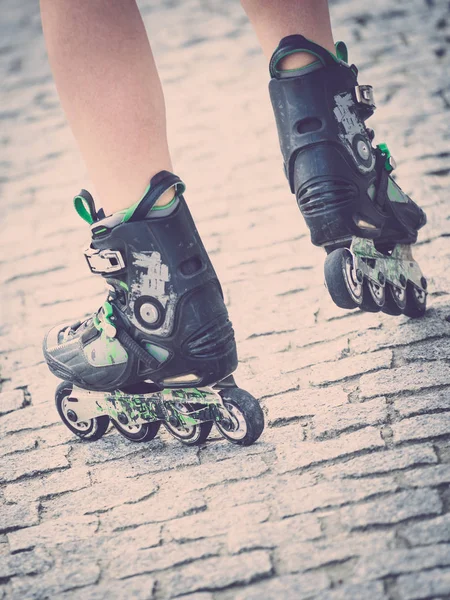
x,y
100,497
309,453
272,533
372,590
12,400
30,417
163,557
421,427
138,588
395,562
408,378
26,563
35,462
55,582
13,516
333,493
304,556
302,403
430,350
212,523
334,421
48,485
289,587
415,405
392,509
349,367
429,584
429,476
159,508
19,442
221,572
431,531
204,476
53,532
383,461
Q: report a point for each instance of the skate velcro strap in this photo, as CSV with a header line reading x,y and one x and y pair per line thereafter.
x,y
293,44
364,96
159,184
104,261
133,348
85,206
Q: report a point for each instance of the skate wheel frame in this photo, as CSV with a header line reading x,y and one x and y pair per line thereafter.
x,y
188,414
366,278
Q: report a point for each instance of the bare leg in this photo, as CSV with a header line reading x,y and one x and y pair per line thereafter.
x,y
276,19
110,90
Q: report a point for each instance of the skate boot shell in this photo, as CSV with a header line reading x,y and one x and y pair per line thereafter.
x,y
150,354
343,184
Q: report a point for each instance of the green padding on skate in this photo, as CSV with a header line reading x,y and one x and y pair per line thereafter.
x,y
161,354
341,51
83,209
124,285
166,205
387,155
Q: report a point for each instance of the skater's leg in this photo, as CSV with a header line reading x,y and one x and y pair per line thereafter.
x,y
110,90
276,19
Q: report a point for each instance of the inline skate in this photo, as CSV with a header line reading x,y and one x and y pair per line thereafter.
x,y
343,184
161,349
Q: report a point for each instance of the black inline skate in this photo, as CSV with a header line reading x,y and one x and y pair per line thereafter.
x,y
161,349
343,185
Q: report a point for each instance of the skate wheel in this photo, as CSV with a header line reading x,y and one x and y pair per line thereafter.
x,y
416,301
373,297
190,435
340,278
143,432
246,421
395,302
92,429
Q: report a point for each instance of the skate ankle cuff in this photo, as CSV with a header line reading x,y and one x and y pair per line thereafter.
x,y
294,44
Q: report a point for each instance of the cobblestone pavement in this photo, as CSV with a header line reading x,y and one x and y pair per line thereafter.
x,y
346,495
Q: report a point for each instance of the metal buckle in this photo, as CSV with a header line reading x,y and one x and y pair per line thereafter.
x,y
104,261
364,95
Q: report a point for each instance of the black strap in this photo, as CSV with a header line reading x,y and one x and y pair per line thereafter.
x,y
133,347
159,183
298,43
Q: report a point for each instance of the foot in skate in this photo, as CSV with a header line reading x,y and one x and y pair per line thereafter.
x,y
343,184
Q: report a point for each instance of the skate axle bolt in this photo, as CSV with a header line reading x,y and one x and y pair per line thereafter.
x,y
122,418
402,279
381,278
359,275
72,416
423,283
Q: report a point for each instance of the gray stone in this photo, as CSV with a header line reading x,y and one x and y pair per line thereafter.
x,y
12,400
422,427
430,476
53,532
137,588
14,516
35,462
48,485
26,563
372,590
289,587
416,405
159,508
392,509
333,493
383,461
56,581
431,531
212,523
412,378
424,585
309,453
163,557
395,562
220,572
349,367
272,533
334,421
